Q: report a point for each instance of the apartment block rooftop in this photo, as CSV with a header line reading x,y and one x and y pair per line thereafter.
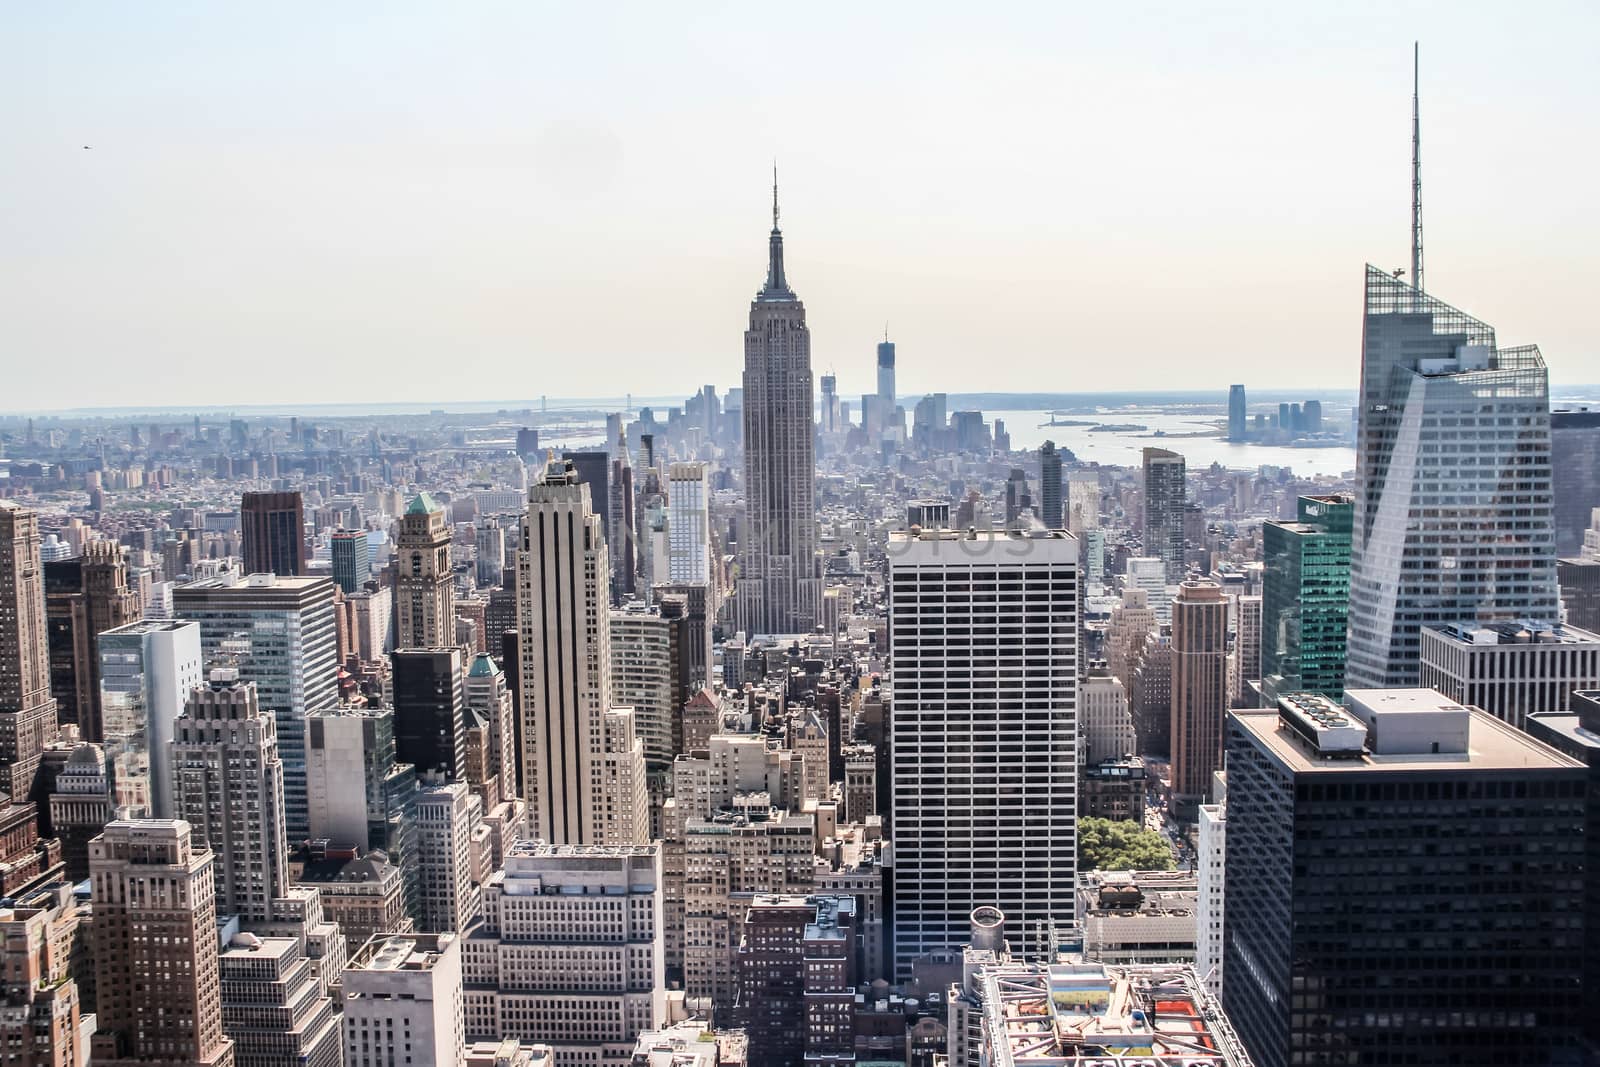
x,y
1083,1014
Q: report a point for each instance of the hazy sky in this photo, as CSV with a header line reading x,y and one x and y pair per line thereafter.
x,y
471,200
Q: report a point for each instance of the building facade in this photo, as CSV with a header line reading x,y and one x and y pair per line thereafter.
x,y
27,710
1510,670
1388,868
429,705
424,594
227,784
984,640
155,947
84,597
273,1005
147,671
569,764
1575,466
1199,691
779,589
403,996
568,951
1305,598
449,823
1165,499
1454,522
279,633
351,556
273,529
688,523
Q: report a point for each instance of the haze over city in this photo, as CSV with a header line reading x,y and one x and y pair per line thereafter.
x,y
435,203
784,536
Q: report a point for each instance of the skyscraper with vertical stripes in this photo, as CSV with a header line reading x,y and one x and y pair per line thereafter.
x,y
583,765
779,591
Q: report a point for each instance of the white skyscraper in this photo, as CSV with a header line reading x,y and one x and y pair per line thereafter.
x,y
1150,574
280,633
228,785
688,523
569,951
448,818
983,736
570,767
404,991
1454,520
779,590
1210,866
1106,724
147,669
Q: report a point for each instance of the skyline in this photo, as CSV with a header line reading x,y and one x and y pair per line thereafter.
x,y
384,195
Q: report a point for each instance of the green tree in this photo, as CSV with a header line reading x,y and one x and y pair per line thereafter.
x,y
1104,845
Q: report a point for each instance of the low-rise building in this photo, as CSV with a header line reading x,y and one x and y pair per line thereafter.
x,y
1137,916
363,894
1114,789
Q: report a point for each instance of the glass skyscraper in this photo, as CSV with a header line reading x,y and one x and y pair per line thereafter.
x,y
279,633
1453,521
1305,598
1165,494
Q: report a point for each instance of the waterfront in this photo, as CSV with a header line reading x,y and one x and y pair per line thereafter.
x,y
1123,449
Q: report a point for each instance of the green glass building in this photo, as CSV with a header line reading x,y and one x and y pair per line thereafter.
x,y
1305,599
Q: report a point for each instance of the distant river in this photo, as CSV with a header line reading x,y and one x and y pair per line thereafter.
x,y
1122,449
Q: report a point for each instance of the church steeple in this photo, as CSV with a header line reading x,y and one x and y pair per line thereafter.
x,y
776,287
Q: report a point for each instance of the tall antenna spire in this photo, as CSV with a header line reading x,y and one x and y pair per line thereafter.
x,y
1416,170
776,286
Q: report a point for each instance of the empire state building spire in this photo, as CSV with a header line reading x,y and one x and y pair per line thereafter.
x,y
777,288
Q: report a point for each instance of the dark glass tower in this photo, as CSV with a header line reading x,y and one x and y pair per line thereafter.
x,y
1404,885
1575,462
428,708
1164,501
352,563
1305,598
274,533
1236,413
1050,495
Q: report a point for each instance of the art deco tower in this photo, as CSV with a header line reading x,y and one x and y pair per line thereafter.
x,y
228,786
583,772
424,602
778,591
27,713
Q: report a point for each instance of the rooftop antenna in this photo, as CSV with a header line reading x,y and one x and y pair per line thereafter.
x,y
1416,171
774,195
886,331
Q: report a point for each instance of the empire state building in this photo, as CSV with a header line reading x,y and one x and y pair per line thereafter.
x,y
779,591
